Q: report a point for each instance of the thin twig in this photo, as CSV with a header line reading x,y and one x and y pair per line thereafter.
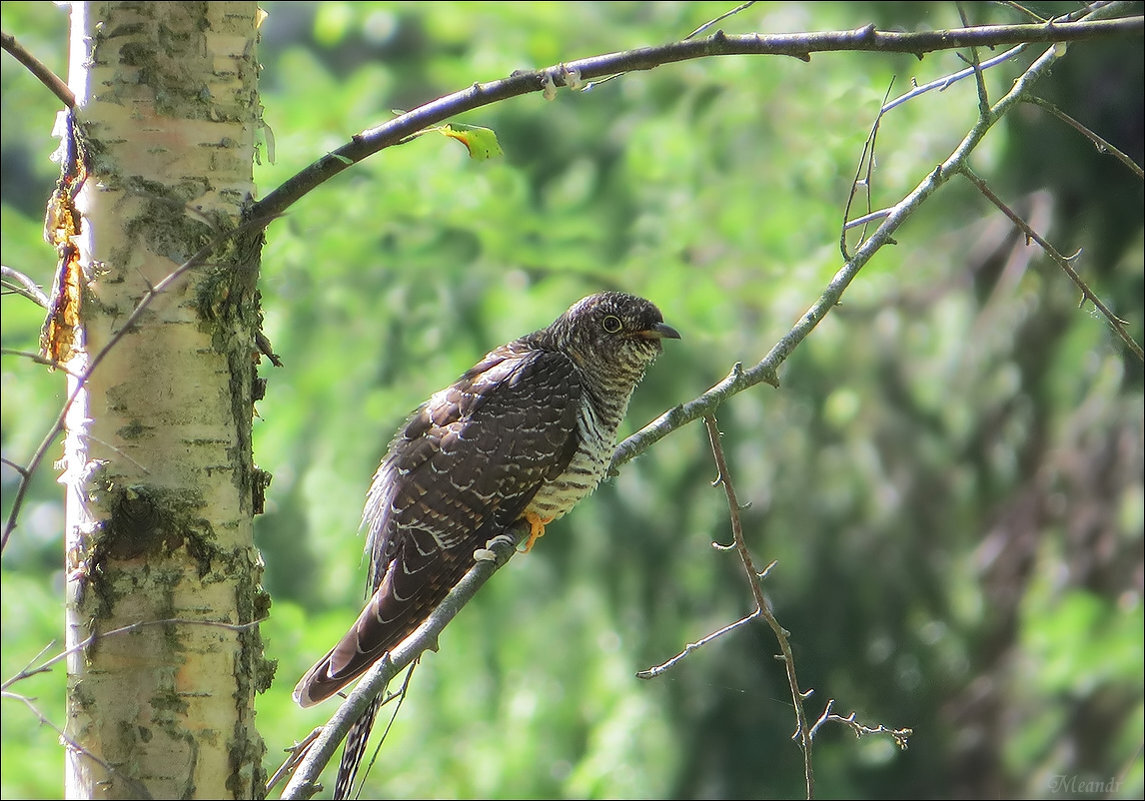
x,y
662,668
1101,144
138,789
867,157
864,177
23,285
976,68
802,730
724,479
1024,10
400,695
294,755
945,82
720,18
762,607
900,736
1115,322
39,69
39,359
866,218
593,84
15,466
130,627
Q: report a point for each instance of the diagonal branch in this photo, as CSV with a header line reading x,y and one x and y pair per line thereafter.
x,y
1115,322
1099,143
498,551
48,78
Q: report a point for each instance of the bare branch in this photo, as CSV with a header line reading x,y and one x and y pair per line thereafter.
x,y
799,46
23,285
763,608
864,178
38,359
47,664
14,465
1115,322
976,67
804,733
498,551
400,695
39,69
724,479
1101,145
664,667
944,83
900,736
294,755
137,787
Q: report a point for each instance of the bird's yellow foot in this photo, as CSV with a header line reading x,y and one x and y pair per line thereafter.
x,y
537,528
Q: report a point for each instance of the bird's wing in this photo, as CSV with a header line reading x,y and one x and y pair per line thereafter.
x,y
463,468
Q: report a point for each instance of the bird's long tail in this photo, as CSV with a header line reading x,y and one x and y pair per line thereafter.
x,y
355,749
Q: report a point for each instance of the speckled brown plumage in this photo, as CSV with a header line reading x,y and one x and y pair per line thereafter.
x,y
525,433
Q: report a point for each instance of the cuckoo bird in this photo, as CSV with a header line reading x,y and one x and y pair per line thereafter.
x,y
522,435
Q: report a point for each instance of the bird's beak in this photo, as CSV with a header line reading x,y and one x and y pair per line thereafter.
x,y
659,331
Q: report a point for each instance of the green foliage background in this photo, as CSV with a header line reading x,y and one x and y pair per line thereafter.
x,y
950,477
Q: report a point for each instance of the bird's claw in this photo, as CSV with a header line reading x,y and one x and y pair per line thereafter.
x,y
487,554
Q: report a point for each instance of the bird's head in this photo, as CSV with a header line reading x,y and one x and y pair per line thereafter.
x,y
612,329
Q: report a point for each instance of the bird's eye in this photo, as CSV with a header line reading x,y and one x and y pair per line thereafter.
x,y
612,324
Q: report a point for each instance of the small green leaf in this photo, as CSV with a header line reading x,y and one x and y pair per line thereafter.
x,y
480,142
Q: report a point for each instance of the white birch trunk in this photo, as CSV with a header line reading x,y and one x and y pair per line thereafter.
x,y
158,466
